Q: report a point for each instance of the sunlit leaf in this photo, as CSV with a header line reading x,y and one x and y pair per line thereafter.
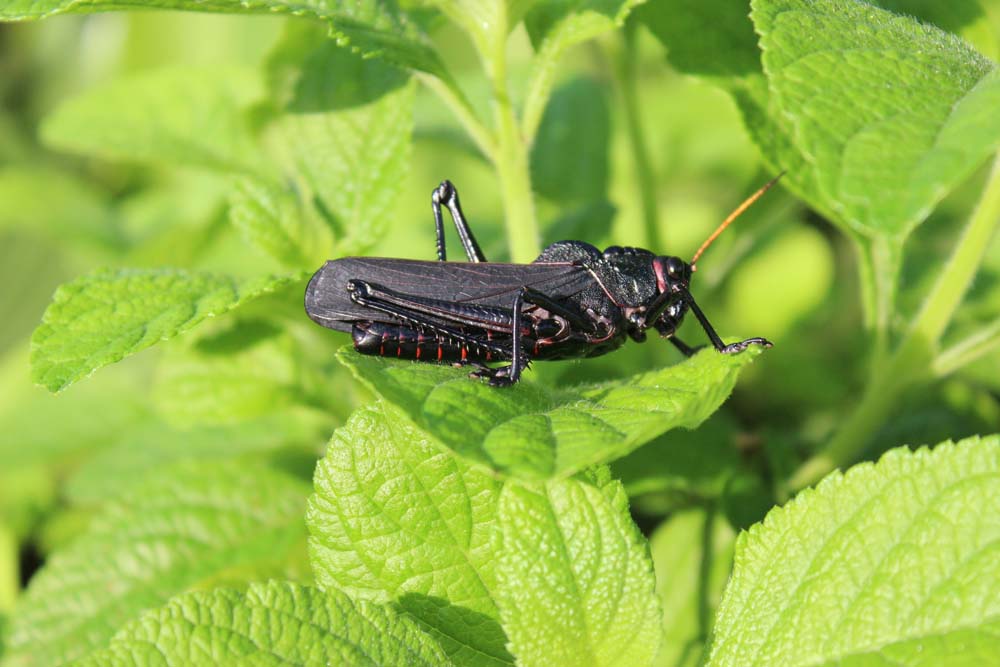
x,y
576,582
892,563
185,527
270,624
534,432
395,518
374,27
179,116
103,317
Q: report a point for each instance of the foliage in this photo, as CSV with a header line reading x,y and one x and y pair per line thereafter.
x,y
169,180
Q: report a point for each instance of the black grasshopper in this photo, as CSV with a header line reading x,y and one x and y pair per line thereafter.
x,y
573,301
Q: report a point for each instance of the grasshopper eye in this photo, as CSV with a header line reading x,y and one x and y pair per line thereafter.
x,y
675,268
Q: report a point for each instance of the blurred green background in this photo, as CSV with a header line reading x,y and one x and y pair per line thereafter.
x,y
265,386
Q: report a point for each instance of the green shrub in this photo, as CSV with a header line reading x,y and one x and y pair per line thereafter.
x,y
180,176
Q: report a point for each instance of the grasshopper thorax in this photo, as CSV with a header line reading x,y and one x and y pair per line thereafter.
x,y
656,293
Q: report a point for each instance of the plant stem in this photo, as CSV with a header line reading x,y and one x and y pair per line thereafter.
x,y
454,100
961,354
511,160
627,80
884,258
539,91
505,147
945,297
909,362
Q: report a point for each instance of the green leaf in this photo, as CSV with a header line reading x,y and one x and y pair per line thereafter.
x,y
715,39
383,29
554,26
531,431
575,130
309,73
576,580
346,148
683,463
187,527
247,370
838,71
273,219
889,114
179,115
373,27
123,467
485,21
179,220
103,317
712,38
41,198
893,563
966,18
692,555
564,23
276,623
41,430
856,108
395,518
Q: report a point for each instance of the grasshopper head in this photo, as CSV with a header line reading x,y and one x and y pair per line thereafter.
x,y
667,308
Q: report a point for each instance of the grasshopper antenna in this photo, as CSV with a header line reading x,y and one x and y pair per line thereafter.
x,y
732,216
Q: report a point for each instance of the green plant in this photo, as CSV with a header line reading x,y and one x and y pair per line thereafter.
x,y
615,512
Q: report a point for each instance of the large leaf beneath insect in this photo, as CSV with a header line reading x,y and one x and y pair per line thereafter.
x,y
101,318
576,581
378,28
394,517
187,526
274,624
555,573
892,563
530,431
